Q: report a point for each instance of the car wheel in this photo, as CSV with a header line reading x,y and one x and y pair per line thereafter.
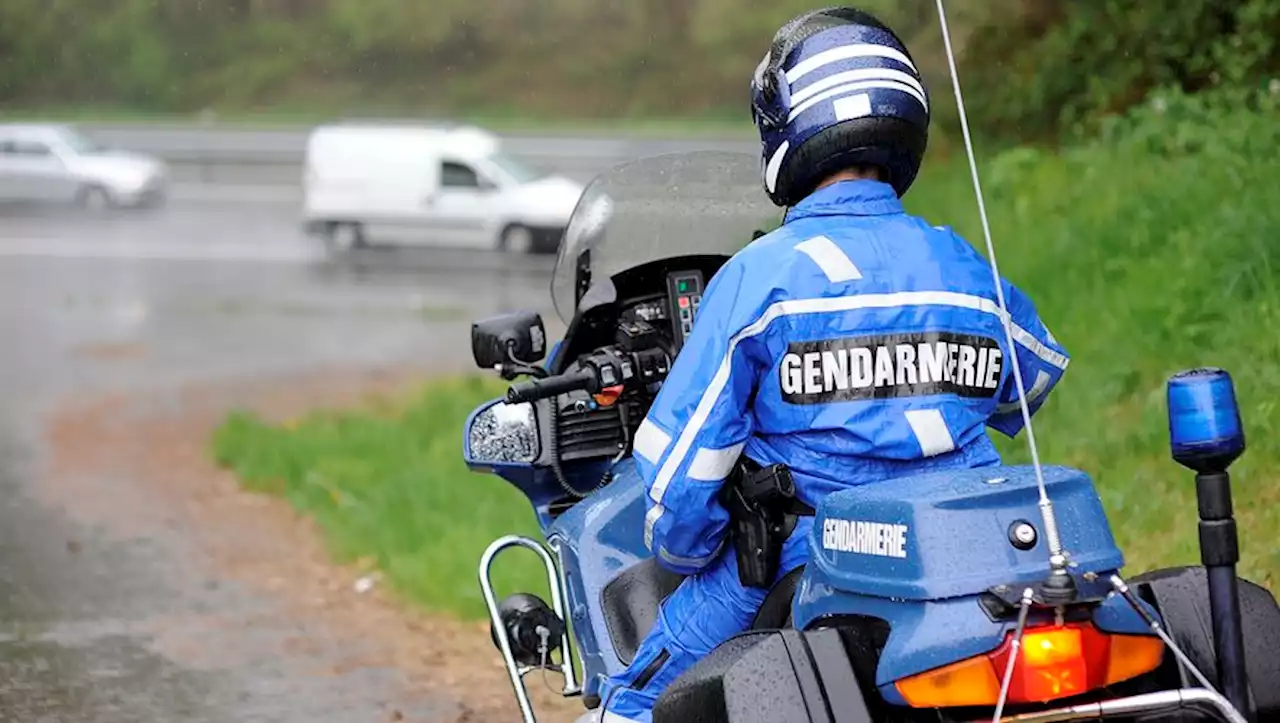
x,y
94,198
516,239
343,237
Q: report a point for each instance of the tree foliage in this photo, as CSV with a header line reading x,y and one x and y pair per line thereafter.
x,y
1072,64
1032,67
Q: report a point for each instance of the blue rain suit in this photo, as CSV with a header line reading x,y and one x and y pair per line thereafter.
x,y
854,344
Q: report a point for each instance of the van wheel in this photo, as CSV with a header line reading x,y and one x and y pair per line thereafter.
x,y
341,237
516,239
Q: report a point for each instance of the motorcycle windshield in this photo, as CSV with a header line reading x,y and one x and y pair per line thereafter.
x,y
682,204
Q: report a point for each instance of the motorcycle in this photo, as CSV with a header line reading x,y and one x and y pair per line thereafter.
x,y
936,607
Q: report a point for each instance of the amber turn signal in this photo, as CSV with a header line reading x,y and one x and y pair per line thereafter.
x,y
1054,662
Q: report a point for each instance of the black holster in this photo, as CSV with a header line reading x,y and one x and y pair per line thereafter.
x,y
763,511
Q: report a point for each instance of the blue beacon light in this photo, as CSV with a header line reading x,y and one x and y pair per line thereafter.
x,y
1205,432
1206,436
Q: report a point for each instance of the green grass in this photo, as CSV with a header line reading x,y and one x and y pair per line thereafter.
x,y
1144,265
387,485
1141,263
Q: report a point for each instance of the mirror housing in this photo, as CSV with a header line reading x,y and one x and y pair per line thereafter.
x,y
498,340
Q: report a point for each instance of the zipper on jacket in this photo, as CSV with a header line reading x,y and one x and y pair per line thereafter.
x,y
651,670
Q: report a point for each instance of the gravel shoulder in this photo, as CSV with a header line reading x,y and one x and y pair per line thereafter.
x,y
253,602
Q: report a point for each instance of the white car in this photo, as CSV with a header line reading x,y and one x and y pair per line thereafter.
x,y
56,163
432,185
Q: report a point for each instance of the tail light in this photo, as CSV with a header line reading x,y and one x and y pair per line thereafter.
x,y
1054,662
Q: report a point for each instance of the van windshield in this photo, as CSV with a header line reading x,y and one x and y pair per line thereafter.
x,y
519,172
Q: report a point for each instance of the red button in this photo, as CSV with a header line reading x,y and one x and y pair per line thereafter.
x,y
684,302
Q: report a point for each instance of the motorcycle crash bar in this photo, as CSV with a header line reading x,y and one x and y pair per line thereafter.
x,y
555,581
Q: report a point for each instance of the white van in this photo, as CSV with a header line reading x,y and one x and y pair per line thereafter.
x,y
441,185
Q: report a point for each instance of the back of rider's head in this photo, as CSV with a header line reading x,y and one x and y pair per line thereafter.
x,y
838,97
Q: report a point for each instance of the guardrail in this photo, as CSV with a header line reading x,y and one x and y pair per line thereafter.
x,y
218,154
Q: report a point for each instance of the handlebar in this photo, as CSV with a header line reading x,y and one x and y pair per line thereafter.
x,y
536,389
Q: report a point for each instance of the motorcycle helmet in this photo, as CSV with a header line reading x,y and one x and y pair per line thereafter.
x,y
837,89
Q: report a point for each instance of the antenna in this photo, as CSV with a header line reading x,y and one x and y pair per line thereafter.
x,y
1060,586
1059,589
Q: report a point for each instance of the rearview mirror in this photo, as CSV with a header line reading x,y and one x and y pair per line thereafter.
x,y
518,337
503,433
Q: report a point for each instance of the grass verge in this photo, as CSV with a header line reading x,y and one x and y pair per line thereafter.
x,y
1141,260
387,485
1147,255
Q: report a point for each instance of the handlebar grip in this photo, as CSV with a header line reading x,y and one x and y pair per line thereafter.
x,y
536,389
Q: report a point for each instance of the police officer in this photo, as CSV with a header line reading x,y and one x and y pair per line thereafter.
x,y
854,344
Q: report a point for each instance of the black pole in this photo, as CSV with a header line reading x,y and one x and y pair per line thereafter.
x,y
1220,552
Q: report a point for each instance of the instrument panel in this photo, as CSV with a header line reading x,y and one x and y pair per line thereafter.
x,y
684,289
647,333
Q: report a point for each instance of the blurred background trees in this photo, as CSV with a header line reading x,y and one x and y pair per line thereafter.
x,y
1033,68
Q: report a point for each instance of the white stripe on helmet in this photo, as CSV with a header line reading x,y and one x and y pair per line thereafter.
x,y
852,88
774,167
852,76
847,52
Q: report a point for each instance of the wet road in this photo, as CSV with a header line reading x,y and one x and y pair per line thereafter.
x,y
214,286
217,288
